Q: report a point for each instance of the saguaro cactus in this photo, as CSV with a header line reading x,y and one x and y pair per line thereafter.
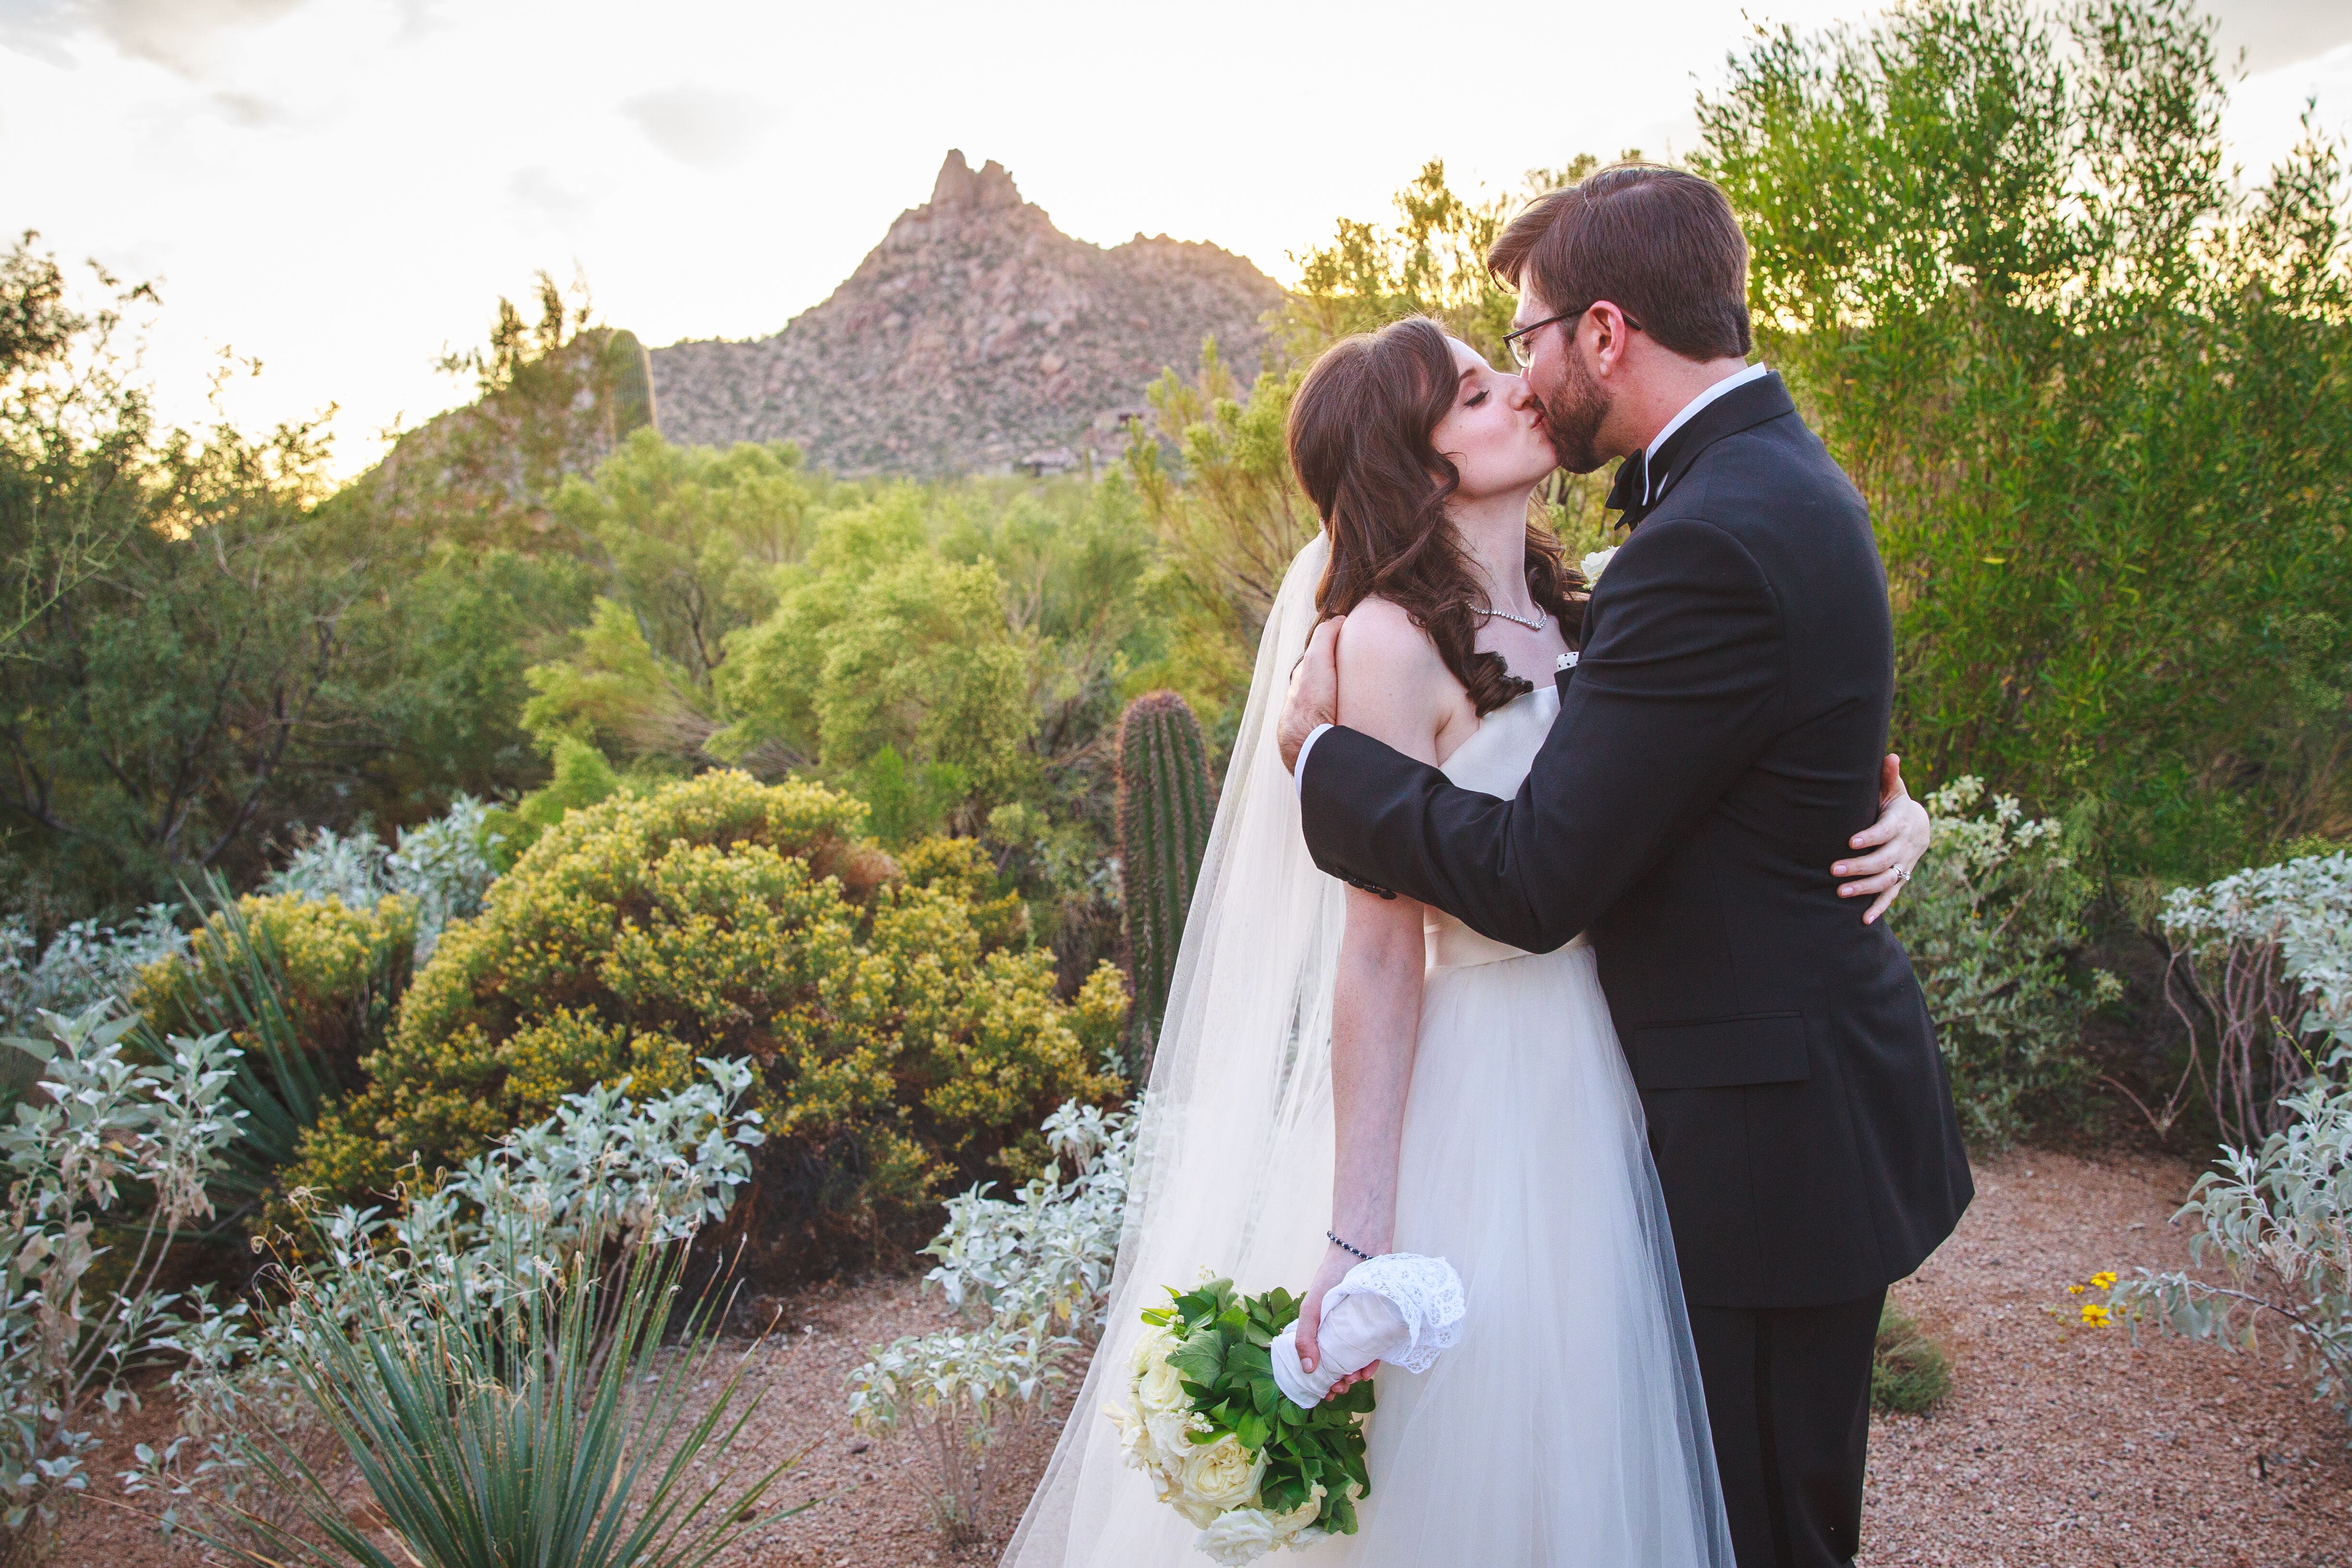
x,y
631,373
1165,801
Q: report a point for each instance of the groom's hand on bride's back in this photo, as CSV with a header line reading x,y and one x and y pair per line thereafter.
x,y
1314,692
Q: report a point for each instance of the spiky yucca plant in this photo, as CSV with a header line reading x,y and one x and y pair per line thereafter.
x,y
494,1427
1166,800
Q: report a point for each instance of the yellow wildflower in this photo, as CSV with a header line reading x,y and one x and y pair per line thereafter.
x,y
2103,1279
2074,1290
2095,1314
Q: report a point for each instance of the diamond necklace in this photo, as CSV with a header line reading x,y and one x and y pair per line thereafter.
x,y
1534,625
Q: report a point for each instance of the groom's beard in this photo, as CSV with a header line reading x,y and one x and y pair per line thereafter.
x,y
1574,416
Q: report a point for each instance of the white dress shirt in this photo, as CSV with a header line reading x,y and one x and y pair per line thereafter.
x,y
1753,372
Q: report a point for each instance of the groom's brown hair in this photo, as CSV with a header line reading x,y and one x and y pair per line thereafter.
x,y
1660,244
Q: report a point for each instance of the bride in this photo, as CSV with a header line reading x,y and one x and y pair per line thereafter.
x,y
1342,1073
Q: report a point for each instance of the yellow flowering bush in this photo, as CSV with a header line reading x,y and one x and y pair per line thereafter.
x,y
904,1037
340,967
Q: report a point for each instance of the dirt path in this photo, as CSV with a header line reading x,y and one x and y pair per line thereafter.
x,y
2066,1445
2062,1446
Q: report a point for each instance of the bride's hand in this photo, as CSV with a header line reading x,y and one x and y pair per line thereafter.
x,y
1898,841
1335,1265
1314,692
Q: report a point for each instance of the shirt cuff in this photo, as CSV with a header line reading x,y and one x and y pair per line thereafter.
x,y
1298,774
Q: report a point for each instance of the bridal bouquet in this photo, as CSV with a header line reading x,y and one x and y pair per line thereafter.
x,y
1210,1425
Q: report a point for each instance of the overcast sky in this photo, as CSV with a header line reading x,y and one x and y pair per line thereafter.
x,y
340,187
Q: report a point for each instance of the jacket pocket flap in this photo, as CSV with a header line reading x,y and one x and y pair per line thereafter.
x,y
1721,1053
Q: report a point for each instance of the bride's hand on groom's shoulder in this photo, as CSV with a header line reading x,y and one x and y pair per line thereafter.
x,y
1894,846
1314,692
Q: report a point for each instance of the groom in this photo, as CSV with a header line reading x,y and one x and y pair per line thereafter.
x,y
1715,746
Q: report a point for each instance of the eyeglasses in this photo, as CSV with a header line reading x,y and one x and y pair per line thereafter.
x,y
1522,349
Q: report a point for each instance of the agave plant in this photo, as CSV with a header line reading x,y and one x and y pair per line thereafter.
x,y
544,1430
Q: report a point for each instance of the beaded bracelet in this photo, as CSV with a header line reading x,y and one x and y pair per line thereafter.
x,y
1346,1247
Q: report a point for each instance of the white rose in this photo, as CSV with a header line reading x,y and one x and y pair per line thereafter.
x,y
1171,1432
1134,1436
1153,1346
1244,1535
1595,563
1287,1525
1217,1476
1161,1388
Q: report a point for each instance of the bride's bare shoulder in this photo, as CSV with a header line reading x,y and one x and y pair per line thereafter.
x,y
1392,683
1380,640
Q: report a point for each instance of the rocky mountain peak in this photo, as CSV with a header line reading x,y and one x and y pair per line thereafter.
x,y
958,186
975,336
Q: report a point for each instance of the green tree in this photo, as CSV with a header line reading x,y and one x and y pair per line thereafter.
x,y
2093,392
554,395
878,640
75,439
1431,262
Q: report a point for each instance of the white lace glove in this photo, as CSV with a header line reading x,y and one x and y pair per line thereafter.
x,y
1400,1308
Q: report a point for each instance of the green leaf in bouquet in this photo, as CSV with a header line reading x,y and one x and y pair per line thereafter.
x,y
1280,1496
1250,1427
1291,1415
1200,1358
1160,1317
1246,1359
1340,1511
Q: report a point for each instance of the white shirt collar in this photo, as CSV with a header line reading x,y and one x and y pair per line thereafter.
x,y
1753,372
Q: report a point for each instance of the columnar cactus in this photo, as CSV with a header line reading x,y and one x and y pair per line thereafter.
x,y
1165,801
632,374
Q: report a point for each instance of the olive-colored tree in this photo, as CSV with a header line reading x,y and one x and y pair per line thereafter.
x,y
2092,391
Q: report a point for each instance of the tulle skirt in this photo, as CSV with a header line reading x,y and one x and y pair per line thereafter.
x,y
1568,1426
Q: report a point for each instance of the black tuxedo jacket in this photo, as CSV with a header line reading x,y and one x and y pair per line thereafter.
x,y
1717,745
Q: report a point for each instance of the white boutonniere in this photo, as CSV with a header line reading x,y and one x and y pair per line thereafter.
x,y
1595,563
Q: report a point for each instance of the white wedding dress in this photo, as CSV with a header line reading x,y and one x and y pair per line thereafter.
x,y
1567,1428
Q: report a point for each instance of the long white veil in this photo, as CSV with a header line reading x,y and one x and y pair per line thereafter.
x,y
1234,1157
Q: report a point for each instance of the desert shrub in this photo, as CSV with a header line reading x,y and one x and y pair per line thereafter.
x,y
900,1034
1991,923
563,1242
1031,1276
104,1155
339,967
1909,1373
83,963
2276,1217
441,867
303,990
2259,965
2279,1222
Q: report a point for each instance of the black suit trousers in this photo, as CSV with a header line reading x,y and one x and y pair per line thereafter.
x,y
1788,1396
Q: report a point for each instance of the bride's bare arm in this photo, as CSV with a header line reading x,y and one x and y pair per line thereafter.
x,y
1392,686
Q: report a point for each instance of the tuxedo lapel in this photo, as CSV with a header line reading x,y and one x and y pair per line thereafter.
x,y
1743,408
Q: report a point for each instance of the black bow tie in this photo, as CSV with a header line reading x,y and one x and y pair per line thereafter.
x,y
1626,492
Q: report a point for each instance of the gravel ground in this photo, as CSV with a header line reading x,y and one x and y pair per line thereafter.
x,y
2062,1446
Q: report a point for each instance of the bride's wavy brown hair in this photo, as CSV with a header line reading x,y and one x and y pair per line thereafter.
x,y
1361,442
